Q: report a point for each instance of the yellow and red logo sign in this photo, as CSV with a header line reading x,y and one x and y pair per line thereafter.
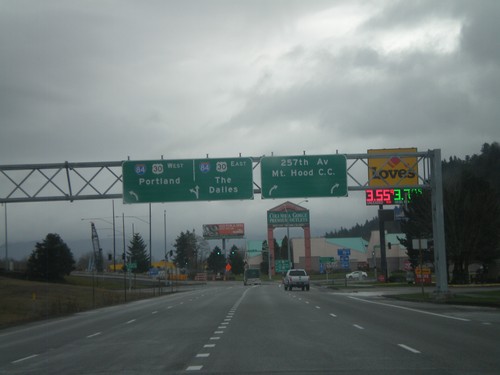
x,y
392,169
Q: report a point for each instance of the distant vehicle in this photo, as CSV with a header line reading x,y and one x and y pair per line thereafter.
x,y
356,275
296,278
251,276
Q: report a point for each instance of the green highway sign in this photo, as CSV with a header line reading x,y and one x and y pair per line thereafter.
x,y
304,176
281,265
187,180
326,259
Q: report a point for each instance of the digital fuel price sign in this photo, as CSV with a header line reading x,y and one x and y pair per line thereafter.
x,y
390,196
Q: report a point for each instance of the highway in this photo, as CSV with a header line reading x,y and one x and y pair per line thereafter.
x,y
227,328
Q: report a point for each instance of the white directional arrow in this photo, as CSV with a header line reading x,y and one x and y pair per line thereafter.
x,y
134,195
273,188
196,191
333,188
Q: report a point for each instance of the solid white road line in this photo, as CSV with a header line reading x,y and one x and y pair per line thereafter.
x,y
410,349
410,309
25,358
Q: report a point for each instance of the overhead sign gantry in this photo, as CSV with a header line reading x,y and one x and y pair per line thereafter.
x,y
232,178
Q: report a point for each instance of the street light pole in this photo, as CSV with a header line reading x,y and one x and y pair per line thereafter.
x,y
6,242
114,237
165,231
150,240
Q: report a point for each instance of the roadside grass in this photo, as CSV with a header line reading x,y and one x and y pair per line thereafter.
x,y
26,301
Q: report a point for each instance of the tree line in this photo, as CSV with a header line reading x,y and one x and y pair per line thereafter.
x,y
471,205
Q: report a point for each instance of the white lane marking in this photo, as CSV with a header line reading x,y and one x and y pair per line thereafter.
x,y
409,348
131,321
202,355
215,338
154,312
94,335
194,368
410,309
25,358
358,326
218,332
318,307
168,308
307,302
333,315
226,323
209,346
222,327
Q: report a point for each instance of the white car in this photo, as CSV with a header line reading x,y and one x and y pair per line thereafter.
x,y
356,275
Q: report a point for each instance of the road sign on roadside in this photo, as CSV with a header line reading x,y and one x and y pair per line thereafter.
x,y
187,180
326,259
344,252
281,265
304,176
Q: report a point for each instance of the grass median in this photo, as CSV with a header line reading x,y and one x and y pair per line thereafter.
x,y
26,301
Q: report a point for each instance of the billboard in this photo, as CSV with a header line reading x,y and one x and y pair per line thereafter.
x,y
215,231
290,218
393,170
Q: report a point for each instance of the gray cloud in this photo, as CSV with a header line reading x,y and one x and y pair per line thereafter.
x,y
99,81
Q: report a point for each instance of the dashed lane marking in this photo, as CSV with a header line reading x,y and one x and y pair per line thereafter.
x,y
25,358
410,349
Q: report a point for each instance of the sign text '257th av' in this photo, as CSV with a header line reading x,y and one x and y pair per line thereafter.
x,y
304,176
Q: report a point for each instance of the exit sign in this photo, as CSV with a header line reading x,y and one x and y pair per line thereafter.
x,y
187,180
304,176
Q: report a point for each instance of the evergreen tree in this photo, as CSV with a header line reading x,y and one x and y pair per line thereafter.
x,y
51,259
418,225
186,250
236,261
216,260
264,265
277,249
137,253
284,248
471,212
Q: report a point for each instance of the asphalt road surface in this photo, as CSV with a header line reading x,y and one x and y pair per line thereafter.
x,y
227,328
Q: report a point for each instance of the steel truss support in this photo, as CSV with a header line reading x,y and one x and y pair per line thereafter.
x,y
60,182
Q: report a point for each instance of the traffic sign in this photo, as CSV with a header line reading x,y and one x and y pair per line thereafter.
x,y
304,176
326,260
393,169
344,252
281,265
187,180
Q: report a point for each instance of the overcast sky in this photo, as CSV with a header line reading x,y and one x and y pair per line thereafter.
x,y
106,80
